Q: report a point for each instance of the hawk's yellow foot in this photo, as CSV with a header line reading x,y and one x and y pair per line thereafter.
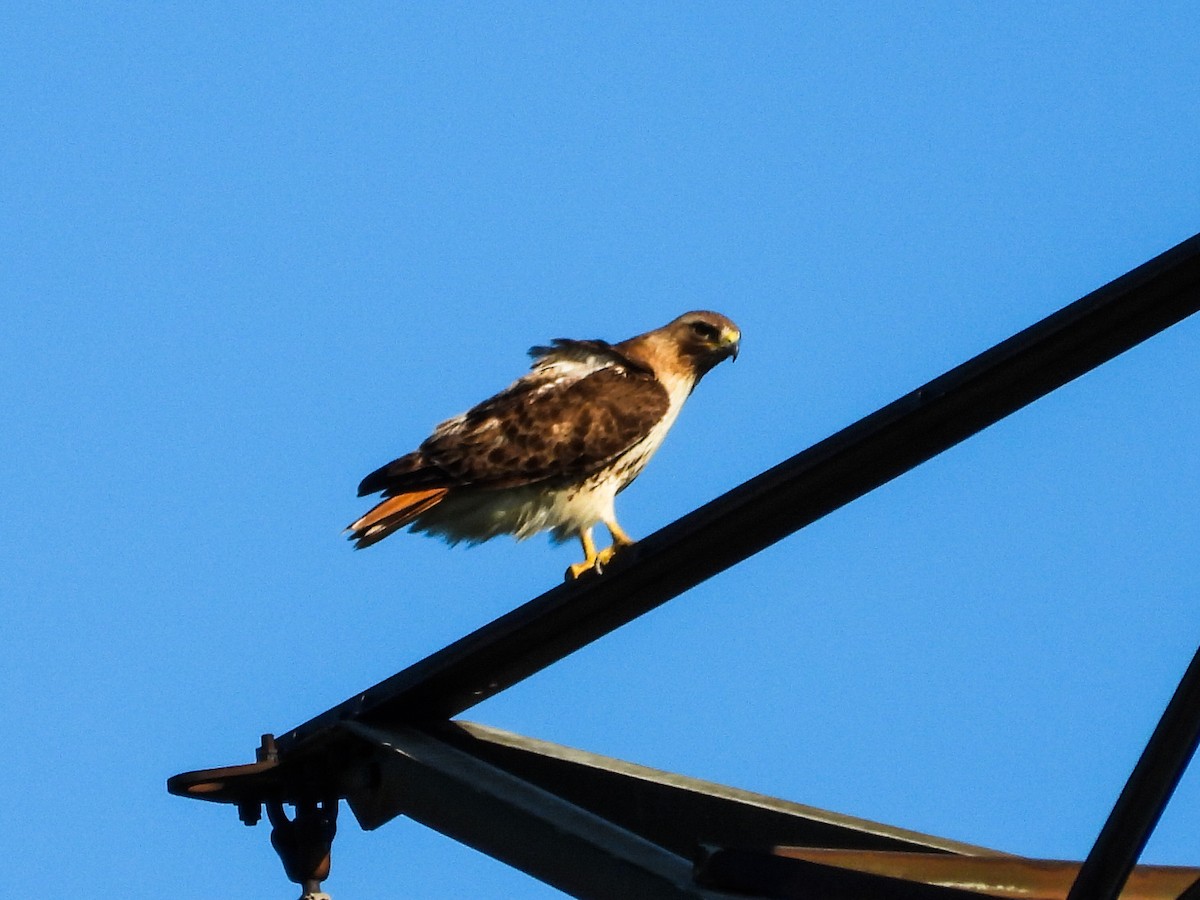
x,y
589,556
596,561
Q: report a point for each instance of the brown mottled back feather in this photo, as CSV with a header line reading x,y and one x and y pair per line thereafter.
x,y
526,436
538,429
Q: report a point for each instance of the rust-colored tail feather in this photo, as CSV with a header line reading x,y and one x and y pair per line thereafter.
x,y
393,514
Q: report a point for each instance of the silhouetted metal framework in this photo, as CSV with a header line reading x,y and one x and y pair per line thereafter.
x,y
597,827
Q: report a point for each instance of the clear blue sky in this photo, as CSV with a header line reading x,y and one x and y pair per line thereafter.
x,y
247,256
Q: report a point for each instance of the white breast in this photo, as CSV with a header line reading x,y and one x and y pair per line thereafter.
x,y
630,465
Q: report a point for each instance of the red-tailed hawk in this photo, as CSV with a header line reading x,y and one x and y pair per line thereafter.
x,y
552,450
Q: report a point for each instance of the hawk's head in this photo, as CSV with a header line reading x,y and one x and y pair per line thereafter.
x,y
702,339
685,348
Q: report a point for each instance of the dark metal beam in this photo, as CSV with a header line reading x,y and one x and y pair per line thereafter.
x,y
674,811
513,821
1145,795
788,878
600,827
816,873
1013,877
784,499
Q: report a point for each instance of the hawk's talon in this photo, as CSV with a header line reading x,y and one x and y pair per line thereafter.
x,y
575,571
596,561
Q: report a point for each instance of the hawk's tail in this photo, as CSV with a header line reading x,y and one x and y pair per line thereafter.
x,y
393,514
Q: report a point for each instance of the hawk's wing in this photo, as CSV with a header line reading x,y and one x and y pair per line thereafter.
x,y
582,406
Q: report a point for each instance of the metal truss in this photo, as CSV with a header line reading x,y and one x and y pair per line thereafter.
x,y
600,828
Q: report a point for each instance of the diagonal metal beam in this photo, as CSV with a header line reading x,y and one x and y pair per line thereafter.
x,y
514,821
788,497
677,812
1141,803
599,827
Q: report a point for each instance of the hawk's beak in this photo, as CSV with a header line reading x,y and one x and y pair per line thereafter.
x,y
731,341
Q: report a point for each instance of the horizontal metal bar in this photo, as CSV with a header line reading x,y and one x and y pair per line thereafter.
x,y
833,874
770,875
999,876
784,499
1145,795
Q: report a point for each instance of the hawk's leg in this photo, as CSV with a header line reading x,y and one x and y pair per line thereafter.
x,y
596,561
620,541
589,553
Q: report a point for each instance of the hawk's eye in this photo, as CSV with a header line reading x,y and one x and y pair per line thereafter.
x,y
705,331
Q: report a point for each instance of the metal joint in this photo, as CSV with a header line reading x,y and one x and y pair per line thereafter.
x,y
304,843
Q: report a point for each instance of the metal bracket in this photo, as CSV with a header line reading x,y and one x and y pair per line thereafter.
x,y
304,843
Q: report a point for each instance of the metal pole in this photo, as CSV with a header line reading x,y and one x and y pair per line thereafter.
x,y
1145,795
